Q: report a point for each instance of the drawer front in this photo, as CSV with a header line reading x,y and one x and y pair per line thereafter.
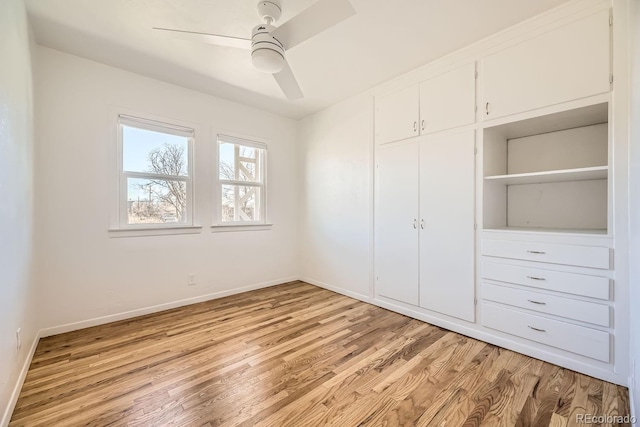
x,y
576,339
583,311
571,283
554,253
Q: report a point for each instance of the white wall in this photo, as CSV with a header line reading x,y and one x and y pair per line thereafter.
x,y
634,199
17,298
86,274
337,196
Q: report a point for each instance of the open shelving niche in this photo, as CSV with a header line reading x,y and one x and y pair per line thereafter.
x,y
548,173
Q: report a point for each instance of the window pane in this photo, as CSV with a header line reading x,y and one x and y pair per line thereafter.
x,y
227,161
156,201
147,151
240,163
240,203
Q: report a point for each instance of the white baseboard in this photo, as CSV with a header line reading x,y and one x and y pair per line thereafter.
x,y
6,417
68,327
338,290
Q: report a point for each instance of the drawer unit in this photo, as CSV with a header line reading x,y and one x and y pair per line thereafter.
x,y
581,340
570,283
583,311
554,253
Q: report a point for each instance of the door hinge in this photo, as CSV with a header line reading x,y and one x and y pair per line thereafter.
x,y
610,19
475,150
476,108
476,75
475,301
611,78
475,226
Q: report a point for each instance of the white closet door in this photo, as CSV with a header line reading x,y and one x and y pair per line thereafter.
x,y
396,222
397,115
447,236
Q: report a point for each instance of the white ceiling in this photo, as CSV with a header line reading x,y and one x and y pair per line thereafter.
x,y
384,39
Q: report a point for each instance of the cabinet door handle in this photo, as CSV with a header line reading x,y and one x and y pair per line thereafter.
x,y
537,302
537,329
422,124
422,224
415,126
535,278
415,223
486,108
537,252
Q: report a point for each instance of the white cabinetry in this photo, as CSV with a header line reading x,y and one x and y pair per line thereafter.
x,y
548,263
424,223
448,100
447,237
397,222
561,65
442,102
545,185
397,115
549,173
542,301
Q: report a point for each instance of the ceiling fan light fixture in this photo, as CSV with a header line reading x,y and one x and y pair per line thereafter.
x,y
267,60
267,53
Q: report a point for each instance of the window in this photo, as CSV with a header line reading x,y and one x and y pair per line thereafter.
x,y
241,177
155,188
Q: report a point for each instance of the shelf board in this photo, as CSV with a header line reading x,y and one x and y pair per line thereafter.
x,y
564,175
597,232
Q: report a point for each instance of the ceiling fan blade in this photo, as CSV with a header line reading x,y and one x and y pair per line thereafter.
x,y
287,82
216,39
315,19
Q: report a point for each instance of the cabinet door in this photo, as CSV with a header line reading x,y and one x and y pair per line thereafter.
x,y
447,236
397,115
448,100
396,222
562,65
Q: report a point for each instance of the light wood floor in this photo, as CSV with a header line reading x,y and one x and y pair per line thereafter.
x,y
295,355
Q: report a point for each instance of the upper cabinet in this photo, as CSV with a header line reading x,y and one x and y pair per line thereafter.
x,y
397,115
448,100
565,64
443,102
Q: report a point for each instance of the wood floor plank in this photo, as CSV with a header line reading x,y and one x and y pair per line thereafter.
x,y
295,355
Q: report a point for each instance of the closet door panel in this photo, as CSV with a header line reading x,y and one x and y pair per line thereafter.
x,y
447,236
396,222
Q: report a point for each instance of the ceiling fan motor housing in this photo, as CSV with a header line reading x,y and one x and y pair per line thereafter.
x,y
267,53
269,11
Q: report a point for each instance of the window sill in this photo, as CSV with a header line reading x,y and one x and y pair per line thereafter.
x,y
157,231
240,227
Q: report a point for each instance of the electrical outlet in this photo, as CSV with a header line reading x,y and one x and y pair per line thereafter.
x,y
18,339
191,279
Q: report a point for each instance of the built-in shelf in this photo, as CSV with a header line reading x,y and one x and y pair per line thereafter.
x,y
598,232
580,174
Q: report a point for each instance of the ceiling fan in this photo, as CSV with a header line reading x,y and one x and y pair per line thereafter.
x,y
269,43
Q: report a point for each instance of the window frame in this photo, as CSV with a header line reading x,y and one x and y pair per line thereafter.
x,y
165,127
252,142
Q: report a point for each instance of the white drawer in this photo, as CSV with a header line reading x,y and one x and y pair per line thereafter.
x,y
583,311
576,339
577,284
554,253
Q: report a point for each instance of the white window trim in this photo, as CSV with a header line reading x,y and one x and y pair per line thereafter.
x,y
249,141
120,226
